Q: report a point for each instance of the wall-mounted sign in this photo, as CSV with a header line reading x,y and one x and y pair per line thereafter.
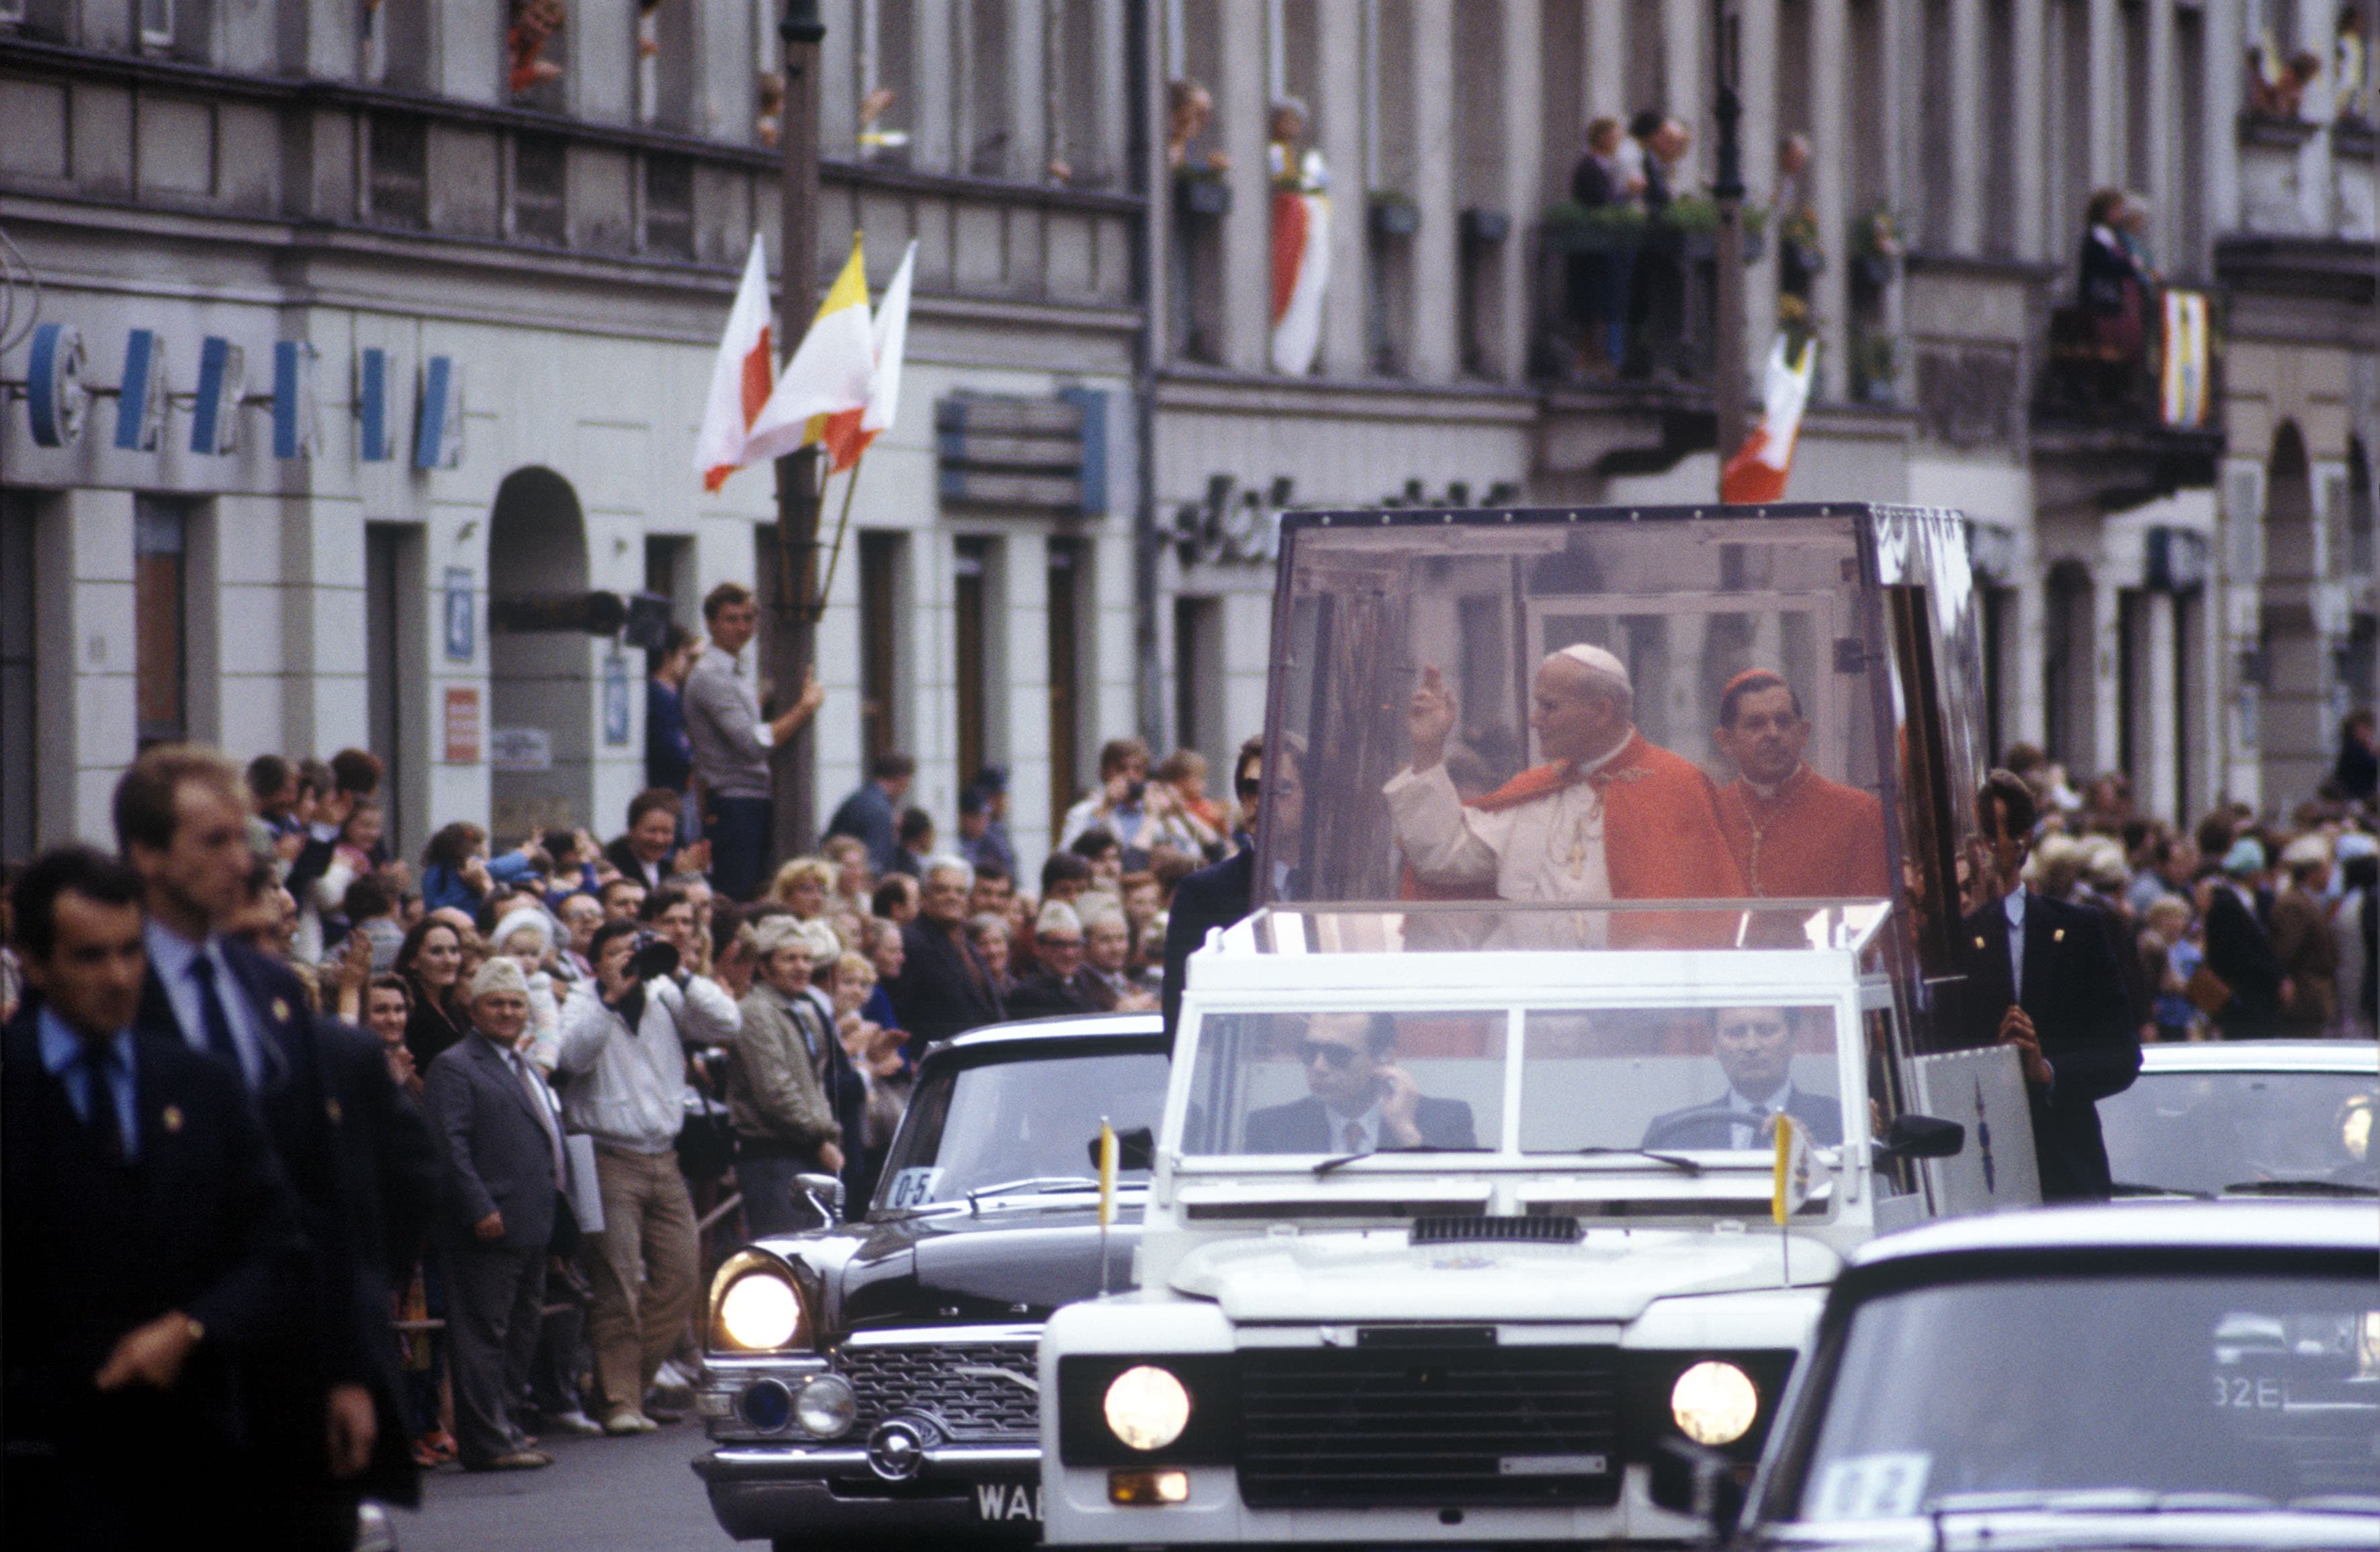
x,y
461,635
375,406
142,400
223,382
438,433
520,748
462,727
615,699
54,394
1025,453
295,430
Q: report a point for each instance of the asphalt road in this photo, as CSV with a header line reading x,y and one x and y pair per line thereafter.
x,y
601,1495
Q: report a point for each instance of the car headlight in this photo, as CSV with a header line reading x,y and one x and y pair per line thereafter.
x,y
761,1312
1715,1402
1147,1407
826,1406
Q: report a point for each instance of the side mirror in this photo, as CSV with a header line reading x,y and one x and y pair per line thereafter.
x,y
1690,1478
822,1195
1911,1135
1135,1149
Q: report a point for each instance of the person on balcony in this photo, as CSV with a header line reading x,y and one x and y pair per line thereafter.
x,y
1598,282
2114,291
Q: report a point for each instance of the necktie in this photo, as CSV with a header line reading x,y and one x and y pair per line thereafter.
x,y
534,1088
99,1094
215,1025
1355,1137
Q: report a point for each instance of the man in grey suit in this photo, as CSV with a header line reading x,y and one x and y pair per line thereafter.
x,y
499,1137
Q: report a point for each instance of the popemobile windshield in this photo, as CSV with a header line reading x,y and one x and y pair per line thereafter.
x,y
1596,848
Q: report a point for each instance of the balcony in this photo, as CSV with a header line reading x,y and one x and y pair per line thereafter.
x,y
1621,300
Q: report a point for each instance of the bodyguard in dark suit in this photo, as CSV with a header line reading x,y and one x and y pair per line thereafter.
x,y
1755,1047
499,1138
2240,951
1218,896
150,1243
326,1412
1360,1100
2042,976
944,987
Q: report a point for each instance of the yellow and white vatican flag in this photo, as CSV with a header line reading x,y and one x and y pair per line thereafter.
x,y
740,378
1757,471
832,369
1797,1171
1108,1153
849,432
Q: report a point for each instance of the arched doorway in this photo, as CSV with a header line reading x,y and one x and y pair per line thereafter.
x,y
540,688
2296,701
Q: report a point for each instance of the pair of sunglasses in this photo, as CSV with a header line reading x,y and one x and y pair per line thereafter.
x,y
1250,790
1340,1058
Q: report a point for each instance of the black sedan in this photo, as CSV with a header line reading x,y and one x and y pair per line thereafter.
x,y
872,1383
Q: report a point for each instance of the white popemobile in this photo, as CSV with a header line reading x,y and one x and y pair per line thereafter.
x,y
1462,1210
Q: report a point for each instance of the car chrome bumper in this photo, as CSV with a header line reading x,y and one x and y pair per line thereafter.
x,y
758,1491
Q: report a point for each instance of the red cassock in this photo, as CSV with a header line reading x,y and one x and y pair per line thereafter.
x,y
1811,839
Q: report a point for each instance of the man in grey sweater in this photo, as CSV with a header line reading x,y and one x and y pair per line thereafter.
x,y
733,743
623,1043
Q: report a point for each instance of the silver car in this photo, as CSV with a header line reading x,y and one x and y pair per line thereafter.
x,y
2247,1118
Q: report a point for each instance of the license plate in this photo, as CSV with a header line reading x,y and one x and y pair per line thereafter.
x,y
1008,1500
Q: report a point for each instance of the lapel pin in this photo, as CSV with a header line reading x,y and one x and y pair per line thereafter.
x,y
2058,935
1979,941
280,1010
170,1116
332,1106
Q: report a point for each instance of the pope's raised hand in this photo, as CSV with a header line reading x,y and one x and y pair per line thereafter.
x,y
1429,718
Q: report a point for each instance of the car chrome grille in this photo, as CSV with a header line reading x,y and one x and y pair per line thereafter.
x,y
970,1389
1409,1425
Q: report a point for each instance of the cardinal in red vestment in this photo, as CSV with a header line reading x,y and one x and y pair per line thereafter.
x,y
1794,835
1612,816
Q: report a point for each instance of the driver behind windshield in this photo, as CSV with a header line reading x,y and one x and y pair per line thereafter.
x,y
1755,1047
1358,1100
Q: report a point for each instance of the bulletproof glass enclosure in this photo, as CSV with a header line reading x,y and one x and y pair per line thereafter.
x,y
1863,613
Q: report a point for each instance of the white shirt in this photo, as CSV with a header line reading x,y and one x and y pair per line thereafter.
x,y
1547,849
548,1115
2014,906
171,955
1745,1133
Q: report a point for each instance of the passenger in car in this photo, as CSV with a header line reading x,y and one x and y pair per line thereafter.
x,y
1359,1100
1755,1047
1795,835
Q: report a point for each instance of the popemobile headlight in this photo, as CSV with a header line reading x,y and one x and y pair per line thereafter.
x,y
1715,1402
827,1406
761,1312
1147,1407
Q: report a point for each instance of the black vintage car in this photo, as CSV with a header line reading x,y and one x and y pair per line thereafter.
x,y
873,1382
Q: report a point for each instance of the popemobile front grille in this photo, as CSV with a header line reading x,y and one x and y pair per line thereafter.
x,y
975,1391
1340,1428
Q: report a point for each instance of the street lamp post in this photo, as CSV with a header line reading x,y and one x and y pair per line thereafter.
x,y
793,639
1728,371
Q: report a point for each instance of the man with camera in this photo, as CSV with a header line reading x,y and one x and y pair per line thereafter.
x,y
623,1046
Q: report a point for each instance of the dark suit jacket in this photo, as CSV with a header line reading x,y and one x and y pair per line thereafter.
x,y
2240,950
867,813
494,1155
1212,897
201,1221
1042,995
1822,1114
2074,993
633,866
935,994
1304,1126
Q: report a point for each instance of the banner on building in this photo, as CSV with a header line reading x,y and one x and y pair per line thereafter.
x,y
462,726
2183,392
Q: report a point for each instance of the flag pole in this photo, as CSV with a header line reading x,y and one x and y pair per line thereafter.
x,y
834,550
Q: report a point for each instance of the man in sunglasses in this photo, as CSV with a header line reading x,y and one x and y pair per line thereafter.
x,y
1358,1100
1218,896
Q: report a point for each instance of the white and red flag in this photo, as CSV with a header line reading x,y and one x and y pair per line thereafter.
x,y
849,432
833,368
1757,471
740,378
1301,273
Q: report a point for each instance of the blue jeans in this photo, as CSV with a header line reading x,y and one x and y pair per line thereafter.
x,y
741,832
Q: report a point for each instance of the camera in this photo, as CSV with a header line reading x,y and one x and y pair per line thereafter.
x,y
651,957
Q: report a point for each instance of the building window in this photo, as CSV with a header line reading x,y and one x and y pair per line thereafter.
x,y
1199,673
12,14
971,625
398,161
18,724
157,24
160,619
1065,668
885,62
393,623
879,644
986,132
541,183
669,207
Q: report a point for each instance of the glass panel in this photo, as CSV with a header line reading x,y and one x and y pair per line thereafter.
x,y
2206,1131
1677,1079
1027,1124
1999,1394
1436,926
1338,1083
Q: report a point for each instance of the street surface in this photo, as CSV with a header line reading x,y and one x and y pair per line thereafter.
x,y
601,1495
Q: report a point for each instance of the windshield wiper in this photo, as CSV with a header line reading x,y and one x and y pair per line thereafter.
x,y
1674,1160
1344,1160
2297,1188
1032,1185
2134,1188
2098,1500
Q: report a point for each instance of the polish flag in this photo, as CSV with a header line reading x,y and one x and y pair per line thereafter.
x,y
1757,471
740,378
833,368
1301,270
849,432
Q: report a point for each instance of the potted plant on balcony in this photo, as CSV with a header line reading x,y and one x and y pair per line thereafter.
x,y
1572,227
1199,191
1695,219
1393,213
1797,242
1875,247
